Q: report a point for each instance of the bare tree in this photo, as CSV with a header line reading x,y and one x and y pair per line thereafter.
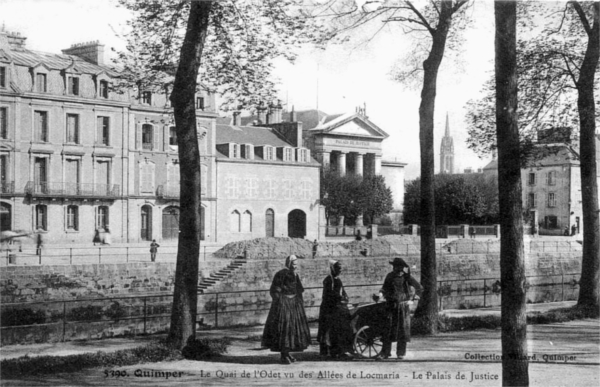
x,y
431,24
512,256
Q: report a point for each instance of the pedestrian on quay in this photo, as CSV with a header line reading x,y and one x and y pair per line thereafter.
x,y
397,292
473,232
107,237
286,329
153,250
39,243
315,248
335,332
97,237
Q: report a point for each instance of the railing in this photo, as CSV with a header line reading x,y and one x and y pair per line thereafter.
x,y
7,187
150,307
72,189
168,192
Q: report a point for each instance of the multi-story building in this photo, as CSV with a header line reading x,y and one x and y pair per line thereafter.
x,y
551,186
79,157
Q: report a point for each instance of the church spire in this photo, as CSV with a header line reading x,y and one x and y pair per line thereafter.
x,y
447,151
447,134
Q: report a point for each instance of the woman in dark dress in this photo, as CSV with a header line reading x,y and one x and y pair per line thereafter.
x,y
286,329
335,333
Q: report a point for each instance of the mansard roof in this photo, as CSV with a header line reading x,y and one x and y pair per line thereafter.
x,y
30,58
254,135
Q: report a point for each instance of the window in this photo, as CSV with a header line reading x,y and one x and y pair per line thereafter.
x,y
287,154
147,136
551,199
247,221
41,126
235,221
3,77
531,180
532,200
72,218
73,86
551,178
172,136
73,128
103,89
41,217
235,151
551,221
147,97
200,103
147,178
40,83
3,123
269,153
102,218
103,128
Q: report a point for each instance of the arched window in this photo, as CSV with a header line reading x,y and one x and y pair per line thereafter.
x,y
270,223
235,221
247,221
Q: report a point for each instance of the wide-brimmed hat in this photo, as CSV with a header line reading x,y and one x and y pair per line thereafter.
x,y
399,262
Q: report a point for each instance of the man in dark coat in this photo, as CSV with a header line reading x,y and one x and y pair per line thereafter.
x,y
335,332
397,293
286,329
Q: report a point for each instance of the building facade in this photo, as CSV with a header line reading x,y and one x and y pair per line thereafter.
x,y
79,159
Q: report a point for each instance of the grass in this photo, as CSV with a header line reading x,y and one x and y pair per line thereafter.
x,y
468,323
154,352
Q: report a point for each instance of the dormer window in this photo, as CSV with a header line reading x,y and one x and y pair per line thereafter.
x,y
288,154
73,85
103,89
302,155
40,83
3,81
147,97
235,151
200,103
269,153
247,151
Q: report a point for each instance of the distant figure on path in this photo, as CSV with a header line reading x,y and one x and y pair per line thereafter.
x,y
315,248
286,329
473,232
97,237
107,237
39,242
573,229
153,250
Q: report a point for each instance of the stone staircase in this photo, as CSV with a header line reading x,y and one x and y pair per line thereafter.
x,y
215,278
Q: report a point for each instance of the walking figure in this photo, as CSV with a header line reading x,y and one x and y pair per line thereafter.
x,y
153,249
315,248
39,243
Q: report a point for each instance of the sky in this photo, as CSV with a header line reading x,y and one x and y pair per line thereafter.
x,y
336,80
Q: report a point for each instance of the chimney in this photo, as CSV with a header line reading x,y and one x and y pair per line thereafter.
x,y
261,112
236,118
293,115
90,51
14,39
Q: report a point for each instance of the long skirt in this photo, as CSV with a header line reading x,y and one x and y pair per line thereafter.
x,y
335,331
399,320
286,328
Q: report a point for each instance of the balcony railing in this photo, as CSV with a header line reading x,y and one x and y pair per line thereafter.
x,y
7,187
64,189
168,192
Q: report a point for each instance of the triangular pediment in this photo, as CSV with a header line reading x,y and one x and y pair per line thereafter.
x,y
353,125
4,57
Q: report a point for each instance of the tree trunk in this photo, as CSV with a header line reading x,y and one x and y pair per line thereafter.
x,y
185,295
512,257
428,305
588,291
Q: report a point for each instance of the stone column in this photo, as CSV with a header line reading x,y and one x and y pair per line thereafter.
x,y
378,164
359,164
342,163
326,160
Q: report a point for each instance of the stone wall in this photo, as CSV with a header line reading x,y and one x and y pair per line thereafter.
x,y
140,293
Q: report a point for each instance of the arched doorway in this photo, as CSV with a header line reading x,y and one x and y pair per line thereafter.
x,y
270,223
146,223
5,217
170,223
297,224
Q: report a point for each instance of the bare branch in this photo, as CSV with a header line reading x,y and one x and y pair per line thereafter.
x,y
420,16
582,16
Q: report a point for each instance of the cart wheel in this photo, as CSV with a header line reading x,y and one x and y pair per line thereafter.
x,y
366,344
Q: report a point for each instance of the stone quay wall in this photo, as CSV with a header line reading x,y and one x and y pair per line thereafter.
x,y
96,301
